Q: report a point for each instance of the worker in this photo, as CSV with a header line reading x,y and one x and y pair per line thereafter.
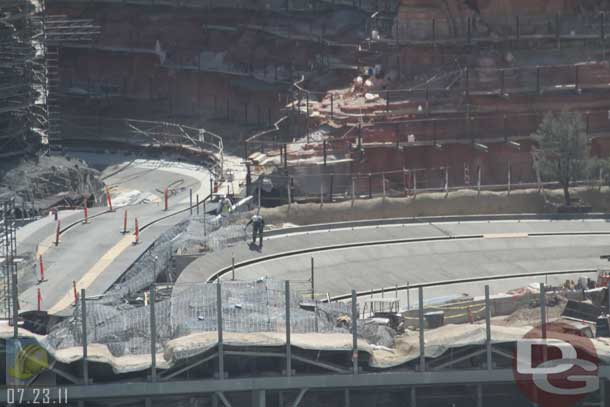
x,y
258,224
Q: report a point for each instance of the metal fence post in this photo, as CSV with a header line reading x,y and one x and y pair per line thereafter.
x,y
414,183
84,339
508,175
478,180
289,194
221,356
13,272
153,336
354,333
233,268
543,310
543,319
422,345
288,327
313,287
488,328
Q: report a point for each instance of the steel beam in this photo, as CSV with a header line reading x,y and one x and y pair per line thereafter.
x,y
312,382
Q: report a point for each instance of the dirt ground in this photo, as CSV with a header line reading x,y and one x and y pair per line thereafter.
x,y
462,202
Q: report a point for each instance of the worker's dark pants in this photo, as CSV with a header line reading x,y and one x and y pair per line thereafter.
x,y
257,230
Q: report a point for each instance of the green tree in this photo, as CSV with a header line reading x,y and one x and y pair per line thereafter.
x,y
562,152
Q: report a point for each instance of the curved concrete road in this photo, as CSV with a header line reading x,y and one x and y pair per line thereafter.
x,y
95,255
487,249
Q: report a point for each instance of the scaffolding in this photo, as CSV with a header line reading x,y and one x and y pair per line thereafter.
x,y
29,75
8,253
23,116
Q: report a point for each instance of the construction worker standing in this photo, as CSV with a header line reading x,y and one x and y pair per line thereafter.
x,y
258,225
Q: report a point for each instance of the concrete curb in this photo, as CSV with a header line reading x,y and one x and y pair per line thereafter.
x,y
437,219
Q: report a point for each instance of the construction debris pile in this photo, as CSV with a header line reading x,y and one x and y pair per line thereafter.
x,y
50,181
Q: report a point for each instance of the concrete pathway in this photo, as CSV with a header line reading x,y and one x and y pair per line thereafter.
x,y
500,248
95,255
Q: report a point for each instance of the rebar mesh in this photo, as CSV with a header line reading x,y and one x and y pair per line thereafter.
x,y
247,307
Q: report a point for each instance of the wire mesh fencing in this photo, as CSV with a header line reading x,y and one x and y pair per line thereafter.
x,y
246,307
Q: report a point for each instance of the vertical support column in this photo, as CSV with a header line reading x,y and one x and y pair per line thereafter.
x,y
346,400
422,344
259,398
413,397
383,183
83,304
488,328
354,333
288,327
153,336
330,189
221,356
370,186
191,200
